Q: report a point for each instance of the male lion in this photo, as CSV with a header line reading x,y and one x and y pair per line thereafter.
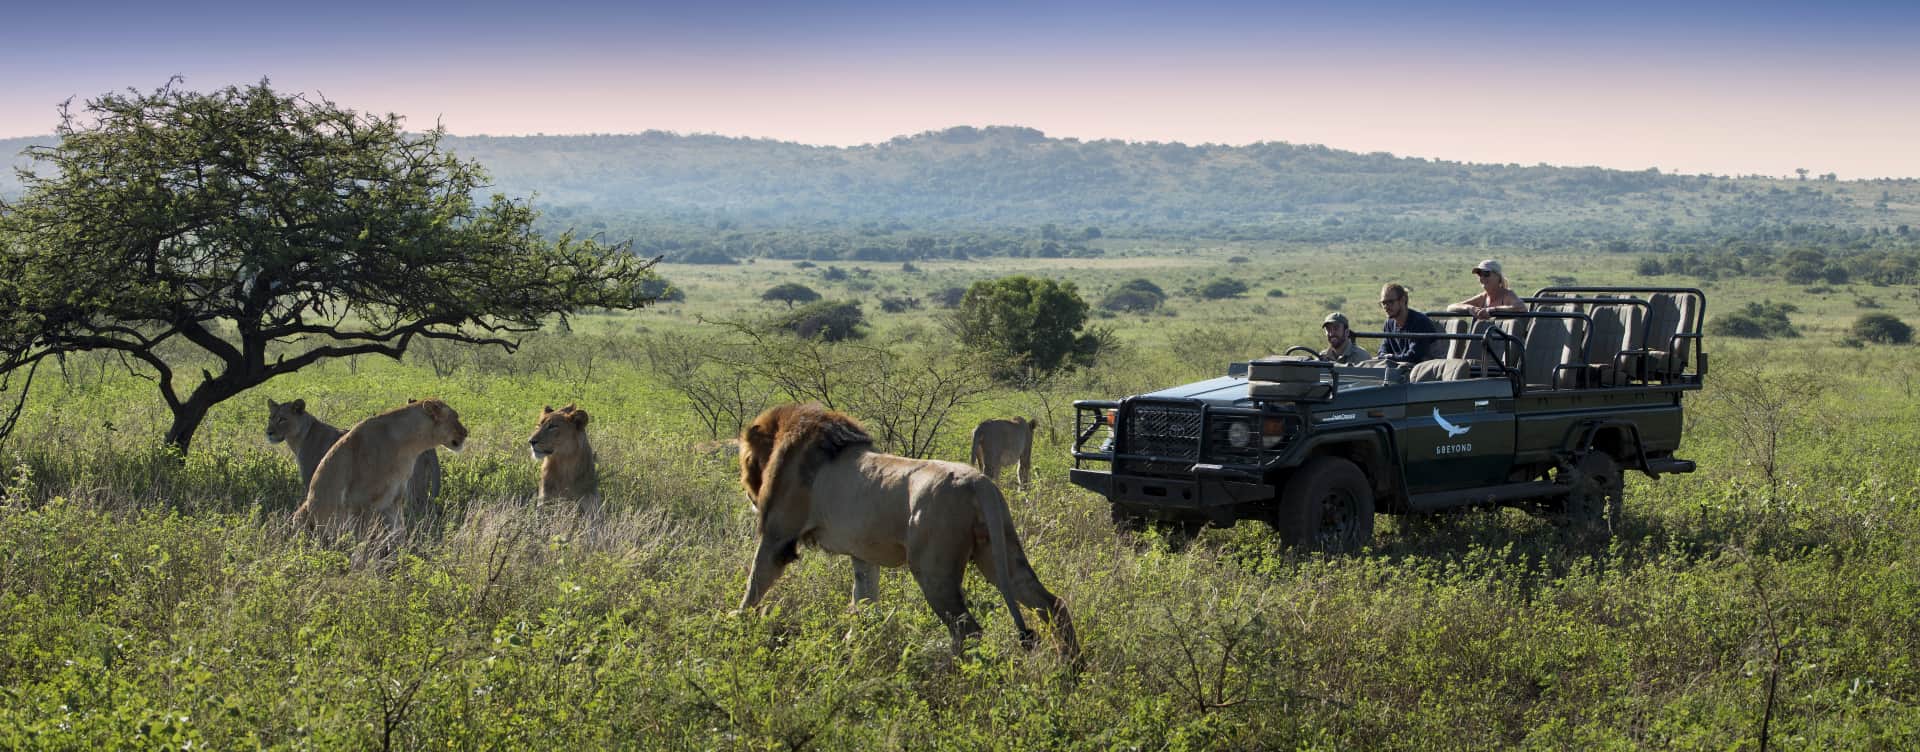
x,y
559,442
366,470
815,478
310,437
1000,444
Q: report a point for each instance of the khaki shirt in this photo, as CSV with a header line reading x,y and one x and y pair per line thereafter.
x,y
1351,356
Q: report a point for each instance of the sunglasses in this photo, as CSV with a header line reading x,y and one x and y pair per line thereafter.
x,y
1481,272
1390,301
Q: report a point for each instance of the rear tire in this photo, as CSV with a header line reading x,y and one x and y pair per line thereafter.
x,y
1597,494
1327,506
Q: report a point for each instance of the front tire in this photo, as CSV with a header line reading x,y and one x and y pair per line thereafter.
x,y
1327,506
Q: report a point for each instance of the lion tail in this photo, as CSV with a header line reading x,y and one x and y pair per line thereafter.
x,y
999,521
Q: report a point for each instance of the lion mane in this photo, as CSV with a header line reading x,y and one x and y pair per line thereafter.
x,y
814,477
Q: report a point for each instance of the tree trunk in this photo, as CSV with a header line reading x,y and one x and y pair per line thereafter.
x,y
186,420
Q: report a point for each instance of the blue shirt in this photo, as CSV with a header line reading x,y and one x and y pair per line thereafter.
x,y
1408,351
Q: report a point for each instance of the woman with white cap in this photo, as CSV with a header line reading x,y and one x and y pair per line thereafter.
x,y
1494,294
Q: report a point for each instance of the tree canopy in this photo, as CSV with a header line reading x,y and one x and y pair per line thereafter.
x,y
1028,327
246,234
790,293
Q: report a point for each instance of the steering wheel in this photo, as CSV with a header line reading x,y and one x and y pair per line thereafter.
x,y
1311,353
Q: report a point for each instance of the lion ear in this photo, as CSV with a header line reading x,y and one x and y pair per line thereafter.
x,y
299,406
272,405
411,400
578,417
434,408
570,407
544,411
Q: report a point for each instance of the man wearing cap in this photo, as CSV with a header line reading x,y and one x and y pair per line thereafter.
x,y
1494,295
1402,318
1340,347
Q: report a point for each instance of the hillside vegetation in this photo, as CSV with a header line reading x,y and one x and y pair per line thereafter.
x,y
1001,190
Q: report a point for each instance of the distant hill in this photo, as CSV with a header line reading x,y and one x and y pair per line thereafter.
x,y
1011,179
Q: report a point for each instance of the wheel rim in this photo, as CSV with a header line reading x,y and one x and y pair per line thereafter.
x,y
1336,518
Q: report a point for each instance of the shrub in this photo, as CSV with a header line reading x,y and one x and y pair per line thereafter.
x,y
1882,328
831,320
1756,321
1223,288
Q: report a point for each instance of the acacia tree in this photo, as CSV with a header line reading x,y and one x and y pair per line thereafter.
x,y
245,234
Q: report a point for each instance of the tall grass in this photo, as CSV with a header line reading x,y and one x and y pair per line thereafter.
x,y
147,601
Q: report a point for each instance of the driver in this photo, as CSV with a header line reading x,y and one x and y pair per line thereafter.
x,y
1340,347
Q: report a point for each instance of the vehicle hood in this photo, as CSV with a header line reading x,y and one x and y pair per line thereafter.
x,y
1225,390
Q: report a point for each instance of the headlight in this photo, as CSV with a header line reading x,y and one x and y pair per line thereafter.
x,y
1239,435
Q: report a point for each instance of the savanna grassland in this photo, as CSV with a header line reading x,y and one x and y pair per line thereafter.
x,y
155,603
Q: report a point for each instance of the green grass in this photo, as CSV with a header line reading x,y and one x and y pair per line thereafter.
x,y
150,603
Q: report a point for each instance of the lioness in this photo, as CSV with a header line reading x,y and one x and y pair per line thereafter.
x,y
814,477
366,470
310,437
559,442
1000,444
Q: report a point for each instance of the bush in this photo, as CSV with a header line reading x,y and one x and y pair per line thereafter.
x,y
1276,293
831,320
1756,321
1882,328
1134,296
1223,288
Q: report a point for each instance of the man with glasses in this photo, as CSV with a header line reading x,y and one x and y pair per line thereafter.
x,y
1401,318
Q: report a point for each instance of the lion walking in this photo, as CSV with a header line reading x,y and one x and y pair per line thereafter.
x,y
815,478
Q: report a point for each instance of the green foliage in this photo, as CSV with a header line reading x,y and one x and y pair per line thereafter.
x,y
831,320
1883,328
1763,320
1221,289
790,293
1134,296
1030,327
263,233
148,601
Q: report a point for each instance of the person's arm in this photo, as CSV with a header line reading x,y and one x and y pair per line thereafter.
x,y
1467,306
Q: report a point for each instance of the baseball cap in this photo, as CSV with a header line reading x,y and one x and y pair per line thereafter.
x,y
1334,318
1488,265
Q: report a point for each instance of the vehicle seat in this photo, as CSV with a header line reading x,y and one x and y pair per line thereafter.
x,y
1551,343
1615,329
1668,335
1443,369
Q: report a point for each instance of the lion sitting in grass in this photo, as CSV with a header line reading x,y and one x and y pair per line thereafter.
x,y
814,478
310,437
559,442
365,473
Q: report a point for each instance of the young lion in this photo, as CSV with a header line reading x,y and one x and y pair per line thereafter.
x,y
310,437
815,478
1000,444
566,459
366,470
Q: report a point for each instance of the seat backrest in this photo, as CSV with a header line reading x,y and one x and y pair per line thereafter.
x,y
1550,342
1456,348
1609,333
1663,321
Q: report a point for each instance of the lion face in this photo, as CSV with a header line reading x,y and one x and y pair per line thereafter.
x,y
286,418
559,432
446,423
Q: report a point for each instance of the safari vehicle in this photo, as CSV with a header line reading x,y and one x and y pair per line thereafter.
x,y
1544,410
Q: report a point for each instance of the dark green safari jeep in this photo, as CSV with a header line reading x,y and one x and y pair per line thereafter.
x,y
1544,410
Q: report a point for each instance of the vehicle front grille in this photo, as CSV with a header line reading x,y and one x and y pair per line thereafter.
x,y
1170,431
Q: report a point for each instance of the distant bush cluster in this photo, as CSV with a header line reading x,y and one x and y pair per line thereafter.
x,y
1766,320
